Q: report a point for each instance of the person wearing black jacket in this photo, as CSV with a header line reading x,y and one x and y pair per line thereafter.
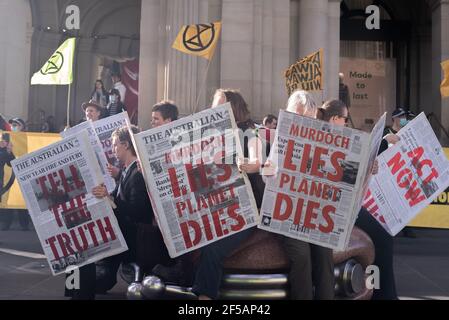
x,y
134,215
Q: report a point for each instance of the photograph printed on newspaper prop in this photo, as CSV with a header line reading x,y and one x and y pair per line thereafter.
x,y
196,190
74,227
320,172
100,153
412,173
435,215
104,129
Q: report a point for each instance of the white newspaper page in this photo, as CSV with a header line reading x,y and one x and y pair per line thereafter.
x,y
412,173
104,129
198,194
319,168
375,140
73,226
88,127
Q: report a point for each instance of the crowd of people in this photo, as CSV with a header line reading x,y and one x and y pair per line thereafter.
x,y
311,274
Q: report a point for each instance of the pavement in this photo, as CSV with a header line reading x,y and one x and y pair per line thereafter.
x,y
421,268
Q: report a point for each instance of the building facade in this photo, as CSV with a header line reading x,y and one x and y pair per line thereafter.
x,y
395,65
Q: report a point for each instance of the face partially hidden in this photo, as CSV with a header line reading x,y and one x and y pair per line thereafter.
x,y
92,113
219,98
119,148
340,120
272,125
157,119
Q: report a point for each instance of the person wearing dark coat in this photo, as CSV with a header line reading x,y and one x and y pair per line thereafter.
x,y
135,217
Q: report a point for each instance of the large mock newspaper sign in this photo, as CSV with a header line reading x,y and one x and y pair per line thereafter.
x,y
196,190
73,226
100,154
316,192
104,129
412,173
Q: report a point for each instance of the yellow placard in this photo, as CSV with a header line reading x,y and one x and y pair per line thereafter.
x,y
306,74
22,143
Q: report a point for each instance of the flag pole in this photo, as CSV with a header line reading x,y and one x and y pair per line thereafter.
x,y
202,85
68,107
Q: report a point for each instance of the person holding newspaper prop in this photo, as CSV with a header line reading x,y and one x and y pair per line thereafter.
x,y
210,268
133,210
310,265
336,112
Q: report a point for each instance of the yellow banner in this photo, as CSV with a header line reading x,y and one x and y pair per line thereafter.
x,y
444,87
198,39
436,215
306,74
22,143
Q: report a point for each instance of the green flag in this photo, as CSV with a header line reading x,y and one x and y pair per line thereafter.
x,y
57,69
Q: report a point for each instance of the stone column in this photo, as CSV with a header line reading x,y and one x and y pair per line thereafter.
x,y
333,51
313,35
440,52
15,41
237,47
151,30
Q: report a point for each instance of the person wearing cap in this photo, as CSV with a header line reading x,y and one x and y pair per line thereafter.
x,y
17,124
92,110
399,119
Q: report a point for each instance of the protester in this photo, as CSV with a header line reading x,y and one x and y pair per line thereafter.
x,y
400,117
6,156
17,125
99,94
336,112
210,267
134,212
92,110
399,120
176,270
164,112
270,121
118,85
310,265
115,104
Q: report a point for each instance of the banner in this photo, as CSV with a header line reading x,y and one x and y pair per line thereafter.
x,y
321,170
74,227
87,126
196,190
198,39
306,74
22,143
59,67
444,87
412,173
104,129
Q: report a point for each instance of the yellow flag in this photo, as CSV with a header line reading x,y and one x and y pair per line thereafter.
x,y
198,39
306,74
444,87
22,143
59,67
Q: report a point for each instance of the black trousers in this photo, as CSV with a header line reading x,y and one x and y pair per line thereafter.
x,y
383,244
210,268
310,266
146,247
